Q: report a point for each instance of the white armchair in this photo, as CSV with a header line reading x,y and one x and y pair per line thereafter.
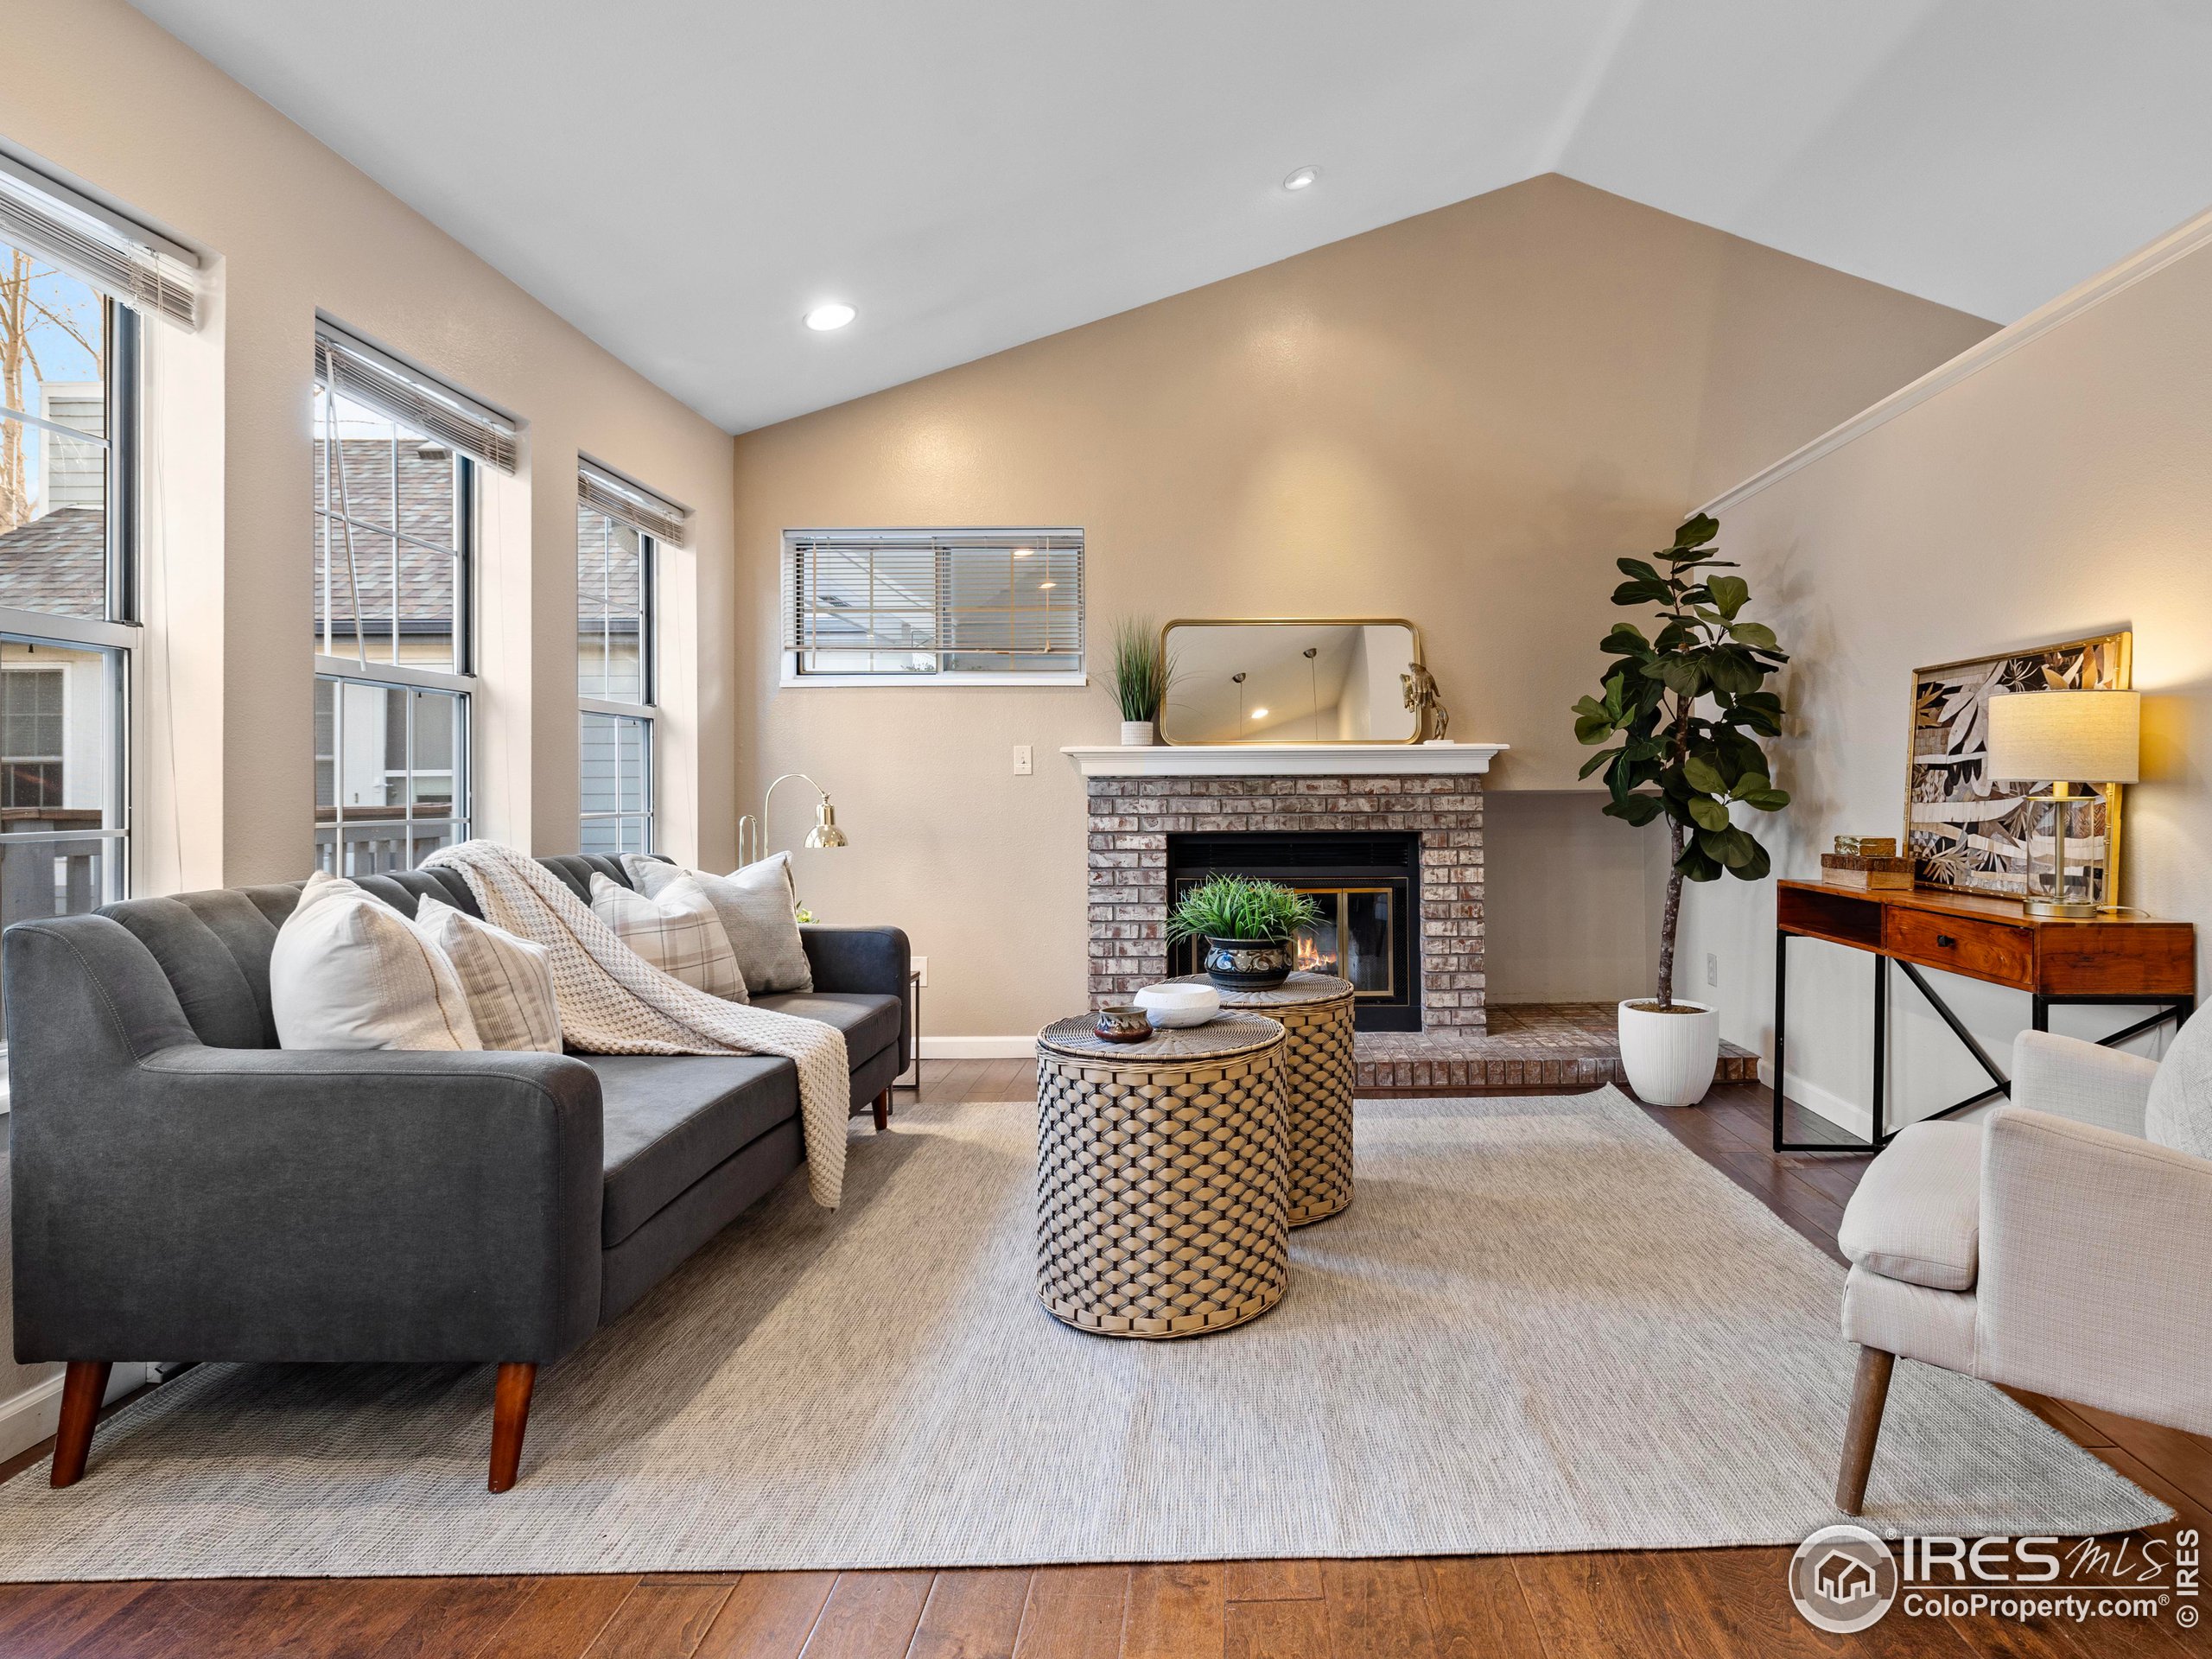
x,y
2061,1245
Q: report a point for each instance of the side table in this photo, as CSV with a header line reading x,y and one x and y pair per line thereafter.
x,y
1160,1177
1315,1011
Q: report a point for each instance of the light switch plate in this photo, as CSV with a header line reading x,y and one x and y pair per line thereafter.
x,y
1711,969
1022,767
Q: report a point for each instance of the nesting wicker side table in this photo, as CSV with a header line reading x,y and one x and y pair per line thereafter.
x,y
1315,1012
1161,1207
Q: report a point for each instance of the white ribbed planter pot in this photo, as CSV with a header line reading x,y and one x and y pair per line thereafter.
x,y
1136,734
1670,1057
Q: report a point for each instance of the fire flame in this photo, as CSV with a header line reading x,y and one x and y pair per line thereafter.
x,y
1309,957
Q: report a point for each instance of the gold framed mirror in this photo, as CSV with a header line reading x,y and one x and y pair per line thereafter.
x,y
1293,679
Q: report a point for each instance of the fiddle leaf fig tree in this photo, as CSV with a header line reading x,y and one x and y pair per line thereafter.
x,y
1683,709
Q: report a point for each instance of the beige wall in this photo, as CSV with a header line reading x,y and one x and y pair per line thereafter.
x,y
2063,490
1461,419
225,786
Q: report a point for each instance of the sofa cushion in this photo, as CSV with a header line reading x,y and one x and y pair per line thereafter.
x,y
2178,1114
1916,1215
668,1119
869,1018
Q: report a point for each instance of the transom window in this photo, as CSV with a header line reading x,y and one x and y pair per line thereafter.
x,y
980,607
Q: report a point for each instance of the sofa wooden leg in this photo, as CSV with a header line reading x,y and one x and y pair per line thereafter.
x,y
883,1111
1870,1391
82,1390
510,1417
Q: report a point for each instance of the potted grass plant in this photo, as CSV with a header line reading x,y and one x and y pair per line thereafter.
x,y
1247,925
1139,670
1683,710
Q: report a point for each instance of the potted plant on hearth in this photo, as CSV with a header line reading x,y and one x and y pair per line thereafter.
x,y
1684,711
1139,671
1247,925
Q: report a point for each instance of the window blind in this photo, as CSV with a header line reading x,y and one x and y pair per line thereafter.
x,y
354,369
919,601
123,259
604,490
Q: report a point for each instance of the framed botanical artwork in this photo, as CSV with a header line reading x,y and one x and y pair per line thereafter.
x,y
1965,832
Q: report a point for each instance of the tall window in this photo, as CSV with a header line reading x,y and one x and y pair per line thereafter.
x,y
74,280
620,526
976,606
397,460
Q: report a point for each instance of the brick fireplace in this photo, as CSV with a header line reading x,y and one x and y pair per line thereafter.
x,y
1132,816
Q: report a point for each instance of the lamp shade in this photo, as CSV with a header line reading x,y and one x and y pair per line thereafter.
x,y
2070,737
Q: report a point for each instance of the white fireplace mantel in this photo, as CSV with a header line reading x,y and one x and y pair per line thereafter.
x,y
1280,759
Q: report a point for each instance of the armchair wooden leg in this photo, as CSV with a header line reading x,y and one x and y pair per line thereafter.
x,y
82,1388
883,1111
510,1417
1870,1391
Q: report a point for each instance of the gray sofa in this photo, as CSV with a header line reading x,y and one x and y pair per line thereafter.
x,y
186,1190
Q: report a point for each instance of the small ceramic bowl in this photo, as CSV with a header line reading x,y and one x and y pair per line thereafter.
x,y
1125,1024
1169,1006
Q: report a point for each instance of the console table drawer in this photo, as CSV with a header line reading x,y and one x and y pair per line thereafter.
x,y
1959,945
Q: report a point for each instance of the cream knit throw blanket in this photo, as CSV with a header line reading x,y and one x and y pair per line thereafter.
x,y
613,1001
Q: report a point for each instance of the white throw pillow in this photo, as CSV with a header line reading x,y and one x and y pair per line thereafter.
x,y
508,980
349,971
2179,1112
675,929
758,906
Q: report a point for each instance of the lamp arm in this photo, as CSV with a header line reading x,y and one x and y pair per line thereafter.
x,y
761,823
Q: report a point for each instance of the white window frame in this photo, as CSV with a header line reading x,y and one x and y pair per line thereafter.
x,y
789,675
624,502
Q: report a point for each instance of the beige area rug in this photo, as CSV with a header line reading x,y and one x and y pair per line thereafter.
x,y
1543,1325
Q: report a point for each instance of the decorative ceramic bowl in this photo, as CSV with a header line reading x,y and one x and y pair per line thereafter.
x,y
1124,1023
1168,1005
1248,964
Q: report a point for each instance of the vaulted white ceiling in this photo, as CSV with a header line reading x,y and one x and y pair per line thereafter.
x,y
682,179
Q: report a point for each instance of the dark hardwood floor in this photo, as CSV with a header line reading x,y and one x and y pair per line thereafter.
x,y
1666,1605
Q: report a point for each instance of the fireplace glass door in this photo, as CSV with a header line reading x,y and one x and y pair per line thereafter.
x,y
1367,888
1353,939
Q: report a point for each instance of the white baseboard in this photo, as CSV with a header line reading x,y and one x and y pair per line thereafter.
x,y
32,1415
1844,1114
978,1048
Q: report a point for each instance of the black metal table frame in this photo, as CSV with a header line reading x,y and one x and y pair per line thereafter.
x,y
2176,1007
914,989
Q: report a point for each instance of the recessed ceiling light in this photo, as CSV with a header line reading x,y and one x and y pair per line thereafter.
x,y
1304,178
1259,714
836,315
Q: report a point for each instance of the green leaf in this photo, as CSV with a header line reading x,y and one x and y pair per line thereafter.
x,y
1595,761
1730,594
1756,634
1754,868
1644,592
1638,810
1639,570
1703,775
1768,800
1708,813
1695,866
1593,728
1731,670
1696,532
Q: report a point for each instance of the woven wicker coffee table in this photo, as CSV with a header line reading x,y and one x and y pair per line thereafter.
x,y
1315,1011
1160,1178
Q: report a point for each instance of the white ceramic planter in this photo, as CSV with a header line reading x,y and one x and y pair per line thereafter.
x,y
1136,734
1670,1057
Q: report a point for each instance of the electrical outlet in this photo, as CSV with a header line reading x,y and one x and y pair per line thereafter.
x,y
1711,969
922,967
1022,767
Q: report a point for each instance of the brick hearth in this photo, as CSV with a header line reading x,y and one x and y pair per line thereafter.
x,y
1132,817
1526,1044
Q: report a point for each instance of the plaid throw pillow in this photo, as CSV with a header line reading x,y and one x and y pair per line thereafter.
x,y
676,929
509,981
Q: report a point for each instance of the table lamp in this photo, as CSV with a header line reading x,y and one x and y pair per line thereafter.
x,y
2065,739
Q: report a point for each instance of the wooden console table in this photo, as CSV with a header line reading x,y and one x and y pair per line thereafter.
x,y
2116,959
